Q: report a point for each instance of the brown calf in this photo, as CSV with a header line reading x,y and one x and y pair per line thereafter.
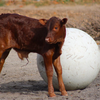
x,y
26,35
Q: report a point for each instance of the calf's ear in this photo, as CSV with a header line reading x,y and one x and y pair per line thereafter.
x,y
43,21
64,20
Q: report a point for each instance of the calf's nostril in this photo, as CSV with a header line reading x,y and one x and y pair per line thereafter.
x,y
47,39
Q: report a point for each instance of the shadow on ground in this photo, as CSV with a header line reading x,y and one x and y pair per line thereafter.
x,y
23,86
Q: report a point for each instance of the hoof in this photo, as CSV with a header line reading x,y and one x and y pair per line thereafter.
x,y
52,95
64,93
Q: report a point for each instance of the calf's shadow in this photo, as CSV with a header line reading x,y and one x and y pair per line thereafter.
x,y
23,86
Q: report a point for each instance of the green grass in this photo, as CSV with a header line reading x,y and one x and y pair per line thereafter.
x,y
38,4
28,2
50,2
88,2
68,2
2,3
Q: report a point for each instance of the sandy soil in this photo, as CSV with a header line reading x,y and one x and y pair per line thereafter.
x,y
19,82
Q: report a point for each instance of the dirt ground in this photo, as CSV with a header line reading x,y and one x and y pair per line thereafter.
x,y
18,82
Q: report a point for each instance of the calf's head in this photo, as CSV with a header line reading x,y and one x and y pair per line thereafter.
x,y
56,30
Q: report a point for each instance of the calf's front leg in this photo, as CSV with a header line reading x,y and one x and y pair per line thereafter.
x,y
49,72
58,68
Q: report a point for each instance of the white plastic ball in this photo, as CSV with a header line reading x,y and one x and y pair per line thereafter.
x,y
80,60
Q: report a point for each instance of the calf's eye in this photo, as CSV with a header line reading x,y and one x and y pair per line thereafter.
x,y
56,28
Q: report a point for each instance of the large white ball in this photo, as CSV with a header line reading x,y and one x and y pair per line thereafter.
x,y
80,60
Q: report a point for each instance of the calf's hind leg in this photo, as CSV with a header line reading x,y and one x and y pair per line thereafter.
x,y
3,56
